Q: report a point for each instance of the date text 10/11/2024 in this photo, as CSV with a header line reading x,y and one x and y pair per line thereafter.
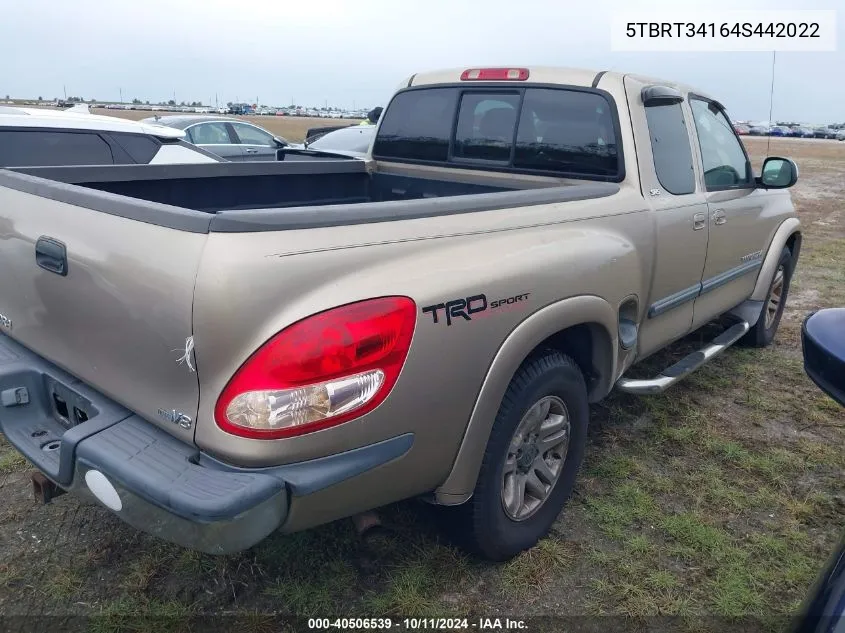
x,y
442,624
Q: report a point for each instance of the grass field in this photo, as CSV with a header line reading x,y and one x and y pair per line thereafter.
x,y
720,499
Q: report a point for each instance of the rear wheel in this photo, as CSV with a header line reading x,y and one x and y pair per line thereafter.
x,y
531,461
763,332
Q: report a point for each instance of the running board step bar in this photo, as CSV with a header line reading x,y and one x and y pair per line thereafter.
x,y
685,366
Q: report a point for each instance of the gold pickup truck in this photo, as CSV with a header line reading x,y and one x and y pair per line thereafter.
x,y
217,351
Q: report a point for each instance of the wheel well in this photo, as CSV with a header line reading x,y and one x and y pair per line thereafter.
x,y
794,244
590,346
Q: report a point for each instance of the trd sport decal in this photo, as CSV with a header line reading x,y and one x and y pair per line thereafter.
x,y
471,307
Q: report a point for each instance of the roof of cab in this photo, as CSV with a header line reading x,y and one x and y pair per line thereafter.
x,y
582,77
44,118
537,74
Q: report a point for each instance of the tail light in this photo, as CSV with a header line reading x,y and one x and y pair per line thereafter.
x,y
322,371
495,74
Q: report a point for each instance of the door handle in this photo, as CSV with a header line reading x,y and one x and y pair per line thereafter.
x,y
699,220
251,150
51,255
719,217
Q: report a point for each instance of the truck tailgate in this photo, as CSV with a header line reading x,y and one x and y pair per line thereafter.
x,y
120,315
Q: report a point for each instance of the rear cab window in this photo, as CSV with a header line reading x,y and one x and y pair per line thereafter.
x,y
560,131
417,125
486,124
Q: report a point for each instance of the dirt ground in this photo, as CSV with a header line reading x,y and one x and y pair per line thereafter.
x,y
711,507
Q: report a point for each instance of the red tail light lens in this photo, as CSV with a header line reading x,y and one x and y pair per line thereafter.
x,y
322,371
495,74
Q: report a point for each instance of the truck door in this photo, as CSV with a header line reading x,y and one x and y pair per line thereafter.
x,y
662,129
740,217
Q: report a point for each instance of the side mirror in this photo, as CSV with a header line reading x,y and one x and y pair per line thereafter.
x,y
778,173
824,351
280,142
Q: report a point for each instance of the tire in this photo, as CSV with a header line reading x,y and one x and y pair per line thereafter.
x,y
485,526
763,332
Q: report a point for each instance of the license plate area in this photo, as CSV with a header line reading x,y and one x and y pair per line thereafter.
x,y
68,407
45,412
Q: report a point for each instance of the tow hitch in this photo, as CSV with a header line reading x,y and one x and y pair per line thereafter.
x,y
43,489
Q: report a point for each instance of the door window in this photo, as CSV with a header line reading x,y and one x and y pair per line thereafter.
x,y
210,134
250,135
724,160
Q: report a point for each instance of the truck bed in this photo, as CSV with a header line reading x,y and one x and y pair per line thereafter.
x,y
235,197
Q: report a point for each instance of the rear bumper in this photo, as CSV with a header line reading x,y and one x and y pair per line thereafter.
x,y
96,448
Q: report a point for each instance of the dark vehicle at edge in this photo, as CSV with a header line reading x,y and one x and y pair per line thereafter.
x,y
824,361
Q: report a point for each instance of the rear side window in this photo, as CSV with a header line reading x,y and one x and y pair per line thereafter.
x,y
671,149
418,125
486,123
140,147
36,148
566,131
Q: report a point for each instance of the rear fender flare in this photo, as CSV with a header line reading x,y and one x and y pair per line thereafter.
x,y
586,309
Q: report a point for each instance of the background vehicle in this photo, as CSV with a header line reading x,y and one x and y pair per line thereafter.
x,y
313,133
759,130
742,129
824,361
778,130
40,137
332,336
355,139
824,132
348,141
241,108
232,139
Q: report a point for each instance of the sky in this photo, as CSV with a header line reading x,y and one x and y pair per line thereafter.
x,y
355,53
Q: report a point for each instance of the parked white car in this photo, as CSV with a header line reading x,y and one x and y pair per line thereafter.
x,y
35,137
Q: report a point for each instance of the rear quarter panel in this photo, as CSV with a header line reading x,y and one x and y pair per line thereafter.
x,y
252,285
